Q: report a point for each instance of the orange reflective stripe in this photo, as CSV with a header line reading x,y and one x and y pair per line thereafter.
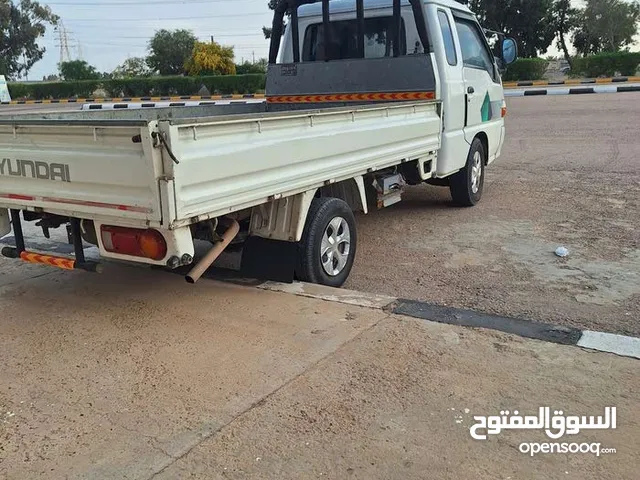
x,y
353,97
59,262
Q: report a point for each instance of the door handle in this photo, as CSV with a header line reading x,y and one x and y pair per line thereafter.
x,y
470,90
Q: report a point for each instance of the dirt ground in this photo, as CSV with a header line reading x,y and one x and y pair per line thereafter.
x,y
137,375
397,403
569,176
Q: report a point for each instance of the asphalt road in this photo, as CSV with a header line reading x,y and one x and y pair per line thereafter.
x,y
569,175
40,108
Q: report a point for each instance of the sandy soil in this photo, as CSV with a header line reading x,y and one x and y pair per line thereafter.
x,y
137,375
569,175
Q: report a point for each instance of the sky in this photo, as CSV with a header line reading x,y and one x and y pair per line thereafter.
x,y
106,32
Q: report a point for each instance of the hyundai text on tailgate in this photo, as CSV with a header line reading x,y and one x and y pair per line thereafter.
x,y
362,98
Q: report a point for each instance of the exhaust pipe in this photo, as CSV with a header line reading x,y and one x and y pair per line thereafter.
x,y
196,272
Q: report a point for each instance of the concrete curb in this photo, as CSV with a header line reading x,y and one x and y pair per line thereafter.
x,y
572,81
134,99
339,295
194,101
608,342
621,345
137,105
260,99
181,98
571,91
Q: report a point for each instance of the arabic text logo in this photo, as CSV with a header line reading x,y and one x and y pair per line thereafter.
x,y
555,426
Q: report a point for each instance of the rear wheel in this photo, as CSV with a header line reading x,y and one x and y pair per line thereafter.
x,y
467,185
328,245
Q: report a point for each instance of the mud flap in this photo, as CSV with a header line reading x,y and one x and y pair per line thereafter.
x,y
266,259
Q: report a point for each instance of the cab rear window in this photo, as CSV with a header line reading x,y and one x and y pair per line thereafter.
x,y
378,40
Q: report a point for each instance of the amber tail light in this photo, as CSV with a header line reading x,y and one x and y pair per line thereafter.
x,y
134,242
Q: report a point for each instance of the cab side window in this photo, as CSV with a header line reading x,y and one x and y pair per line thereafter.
x,y
474,50
447,37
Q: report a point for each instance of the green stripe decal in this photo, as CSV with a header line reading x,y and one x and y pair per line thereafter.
x,y
485,112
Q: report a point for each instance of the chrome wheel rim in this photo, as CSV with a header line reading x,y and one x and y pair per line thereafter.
x,y
335,247
476,172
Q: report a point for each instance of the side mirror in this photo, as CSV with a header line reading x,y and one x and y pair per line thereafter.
x,y
509,51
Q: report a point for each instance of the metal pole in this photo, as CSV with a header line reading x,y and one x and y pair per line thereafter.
x,y
17,231
326,27
77,240
360,21
421,25
397,22
276,35
295,33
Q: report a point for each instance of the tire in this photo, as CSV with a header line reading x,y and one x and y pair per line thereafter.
x,y
328,220
467,185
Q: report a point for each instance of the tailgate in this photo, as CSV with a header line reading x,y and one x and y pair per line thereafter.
x,y
81,169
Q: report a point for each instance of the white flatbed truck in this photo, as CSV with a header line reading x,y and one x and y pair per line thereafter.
x,y
362,98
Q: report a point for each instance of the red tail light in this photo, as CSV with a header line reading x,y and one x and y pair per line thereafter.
x,y
133,241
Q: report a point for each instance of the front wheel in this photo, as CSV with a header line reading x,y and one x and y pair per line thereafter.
x,y
467,185
328,245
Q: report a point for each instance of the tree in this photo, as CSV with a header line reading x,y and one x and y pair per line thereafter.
x,y
529,22
210,59
606,26
78,70
564,19
170,50
21,25
247,67
131,68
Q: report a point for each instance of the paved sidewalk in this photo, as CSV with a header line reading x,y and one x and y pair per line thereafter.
x,y
134,374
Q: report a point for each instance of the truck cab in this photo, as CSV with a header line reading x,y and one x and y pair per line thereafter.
x,y
468,84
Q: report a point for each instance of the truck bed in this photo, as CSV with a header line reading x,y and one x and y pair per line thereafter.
x,y
92,164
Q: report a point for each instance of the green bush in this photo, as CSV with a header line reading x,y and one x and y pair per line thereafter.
x,y
53,90
248,67
526,69
606,64
141,87
242,84
164,86
73,89
18,90
127,87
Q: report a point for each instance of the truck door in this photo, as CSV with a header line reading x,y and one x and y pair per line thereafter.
x,y
482,86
